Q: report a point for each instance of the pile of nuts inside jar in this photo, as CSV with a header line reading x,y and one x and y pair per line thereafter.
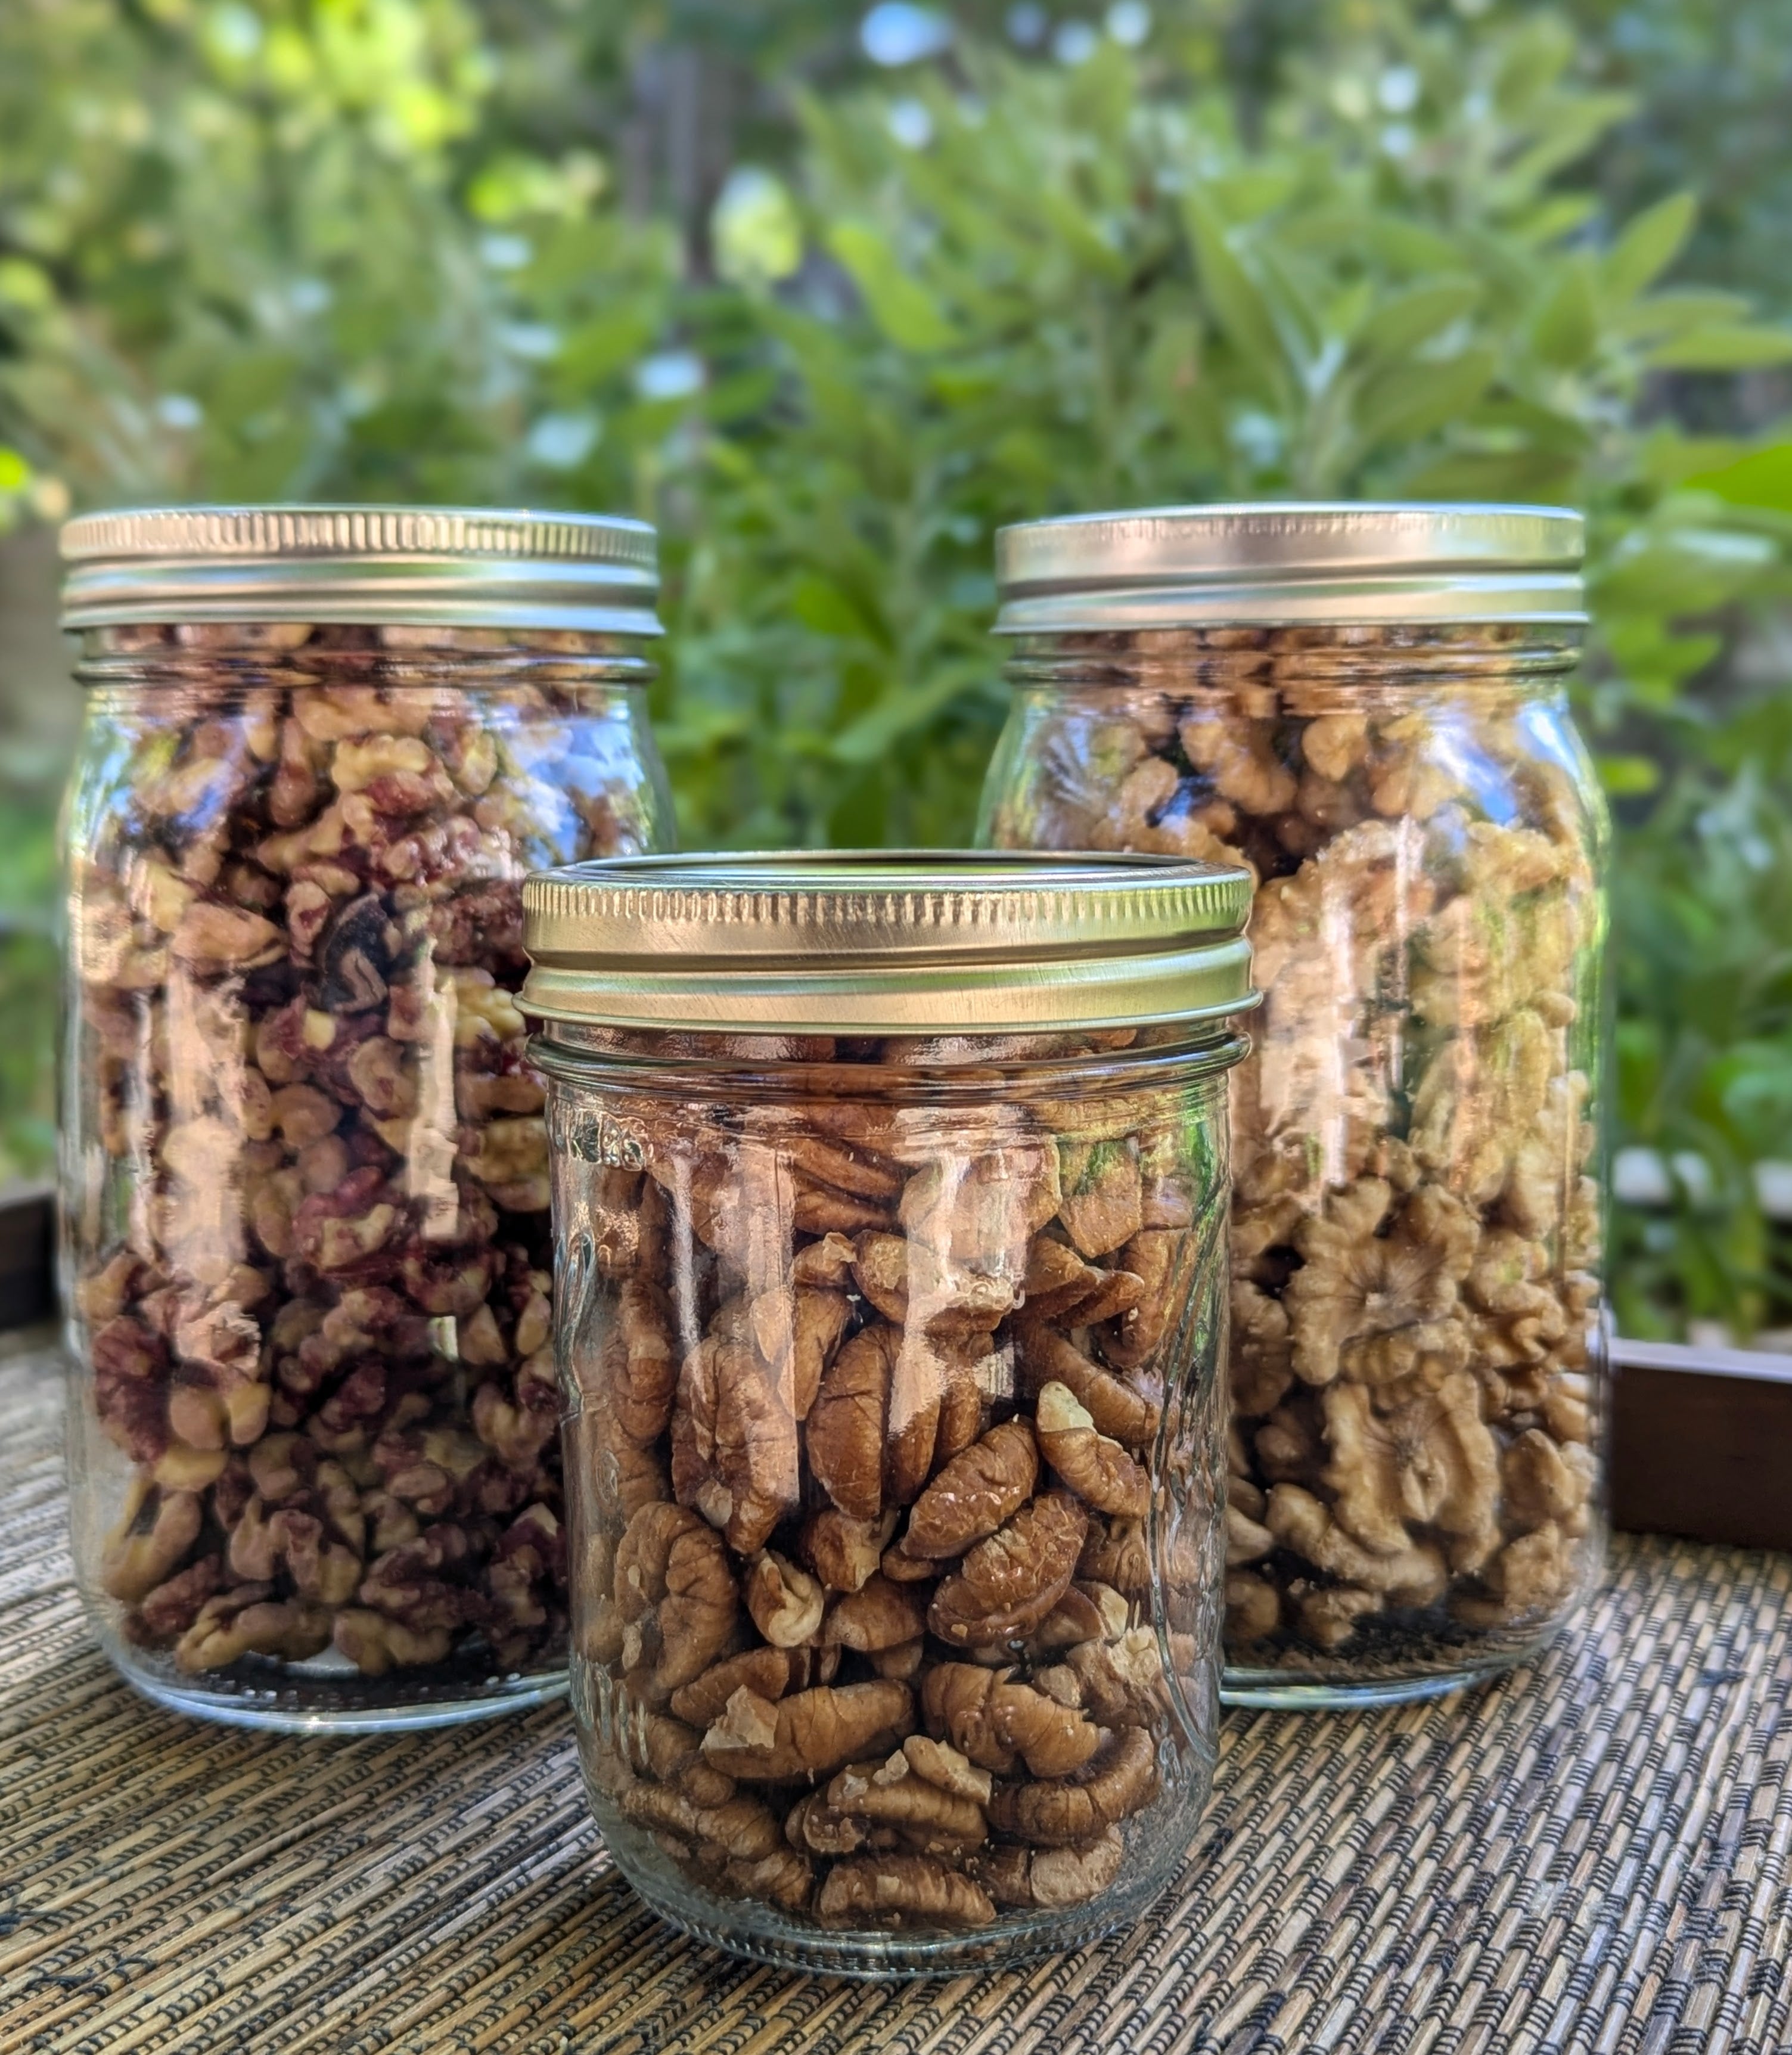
x,y
319,1318
1416,1226
867,1399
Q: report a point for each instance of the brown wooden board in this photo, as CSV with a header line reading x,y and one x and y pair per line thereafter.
x,y
27,1254
1702,1444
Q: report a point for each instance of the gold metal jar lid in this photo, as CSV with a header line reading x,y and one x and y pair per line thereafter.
x,y
400,566
887,942
1284,565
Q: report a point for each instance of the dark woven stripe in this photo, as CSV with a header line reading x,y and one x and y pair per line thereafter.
x,y
1591,1857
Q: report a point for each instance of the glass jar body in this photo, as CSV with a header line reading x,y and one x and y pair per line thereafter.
x,y
1417,1354
894,1458
313,1441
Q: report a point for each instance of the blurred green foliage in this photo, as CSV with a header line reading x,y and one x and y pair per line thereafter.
x,y
29,963
832,323
254,252
1710,84
1088,289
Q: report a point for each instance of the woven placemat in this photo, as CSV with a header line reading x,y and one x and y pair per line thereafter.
x,y
1591,1855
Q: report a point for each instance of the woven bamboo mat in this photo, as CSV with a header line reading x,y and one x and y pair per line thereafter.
x,y
1590,1856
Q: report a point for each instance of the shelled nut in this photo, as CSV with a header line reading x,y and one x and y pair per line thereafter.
x,y
319,1317
1415,1224
910,1406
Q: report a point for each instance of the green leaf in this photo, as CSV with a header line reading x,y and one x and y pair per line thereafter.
x,y
1761,479
1737,348
1080,237
825,607
1408,320
1239,307
901,305
902,711
1520,422
1566,333
1530,61
25,284
1666,314
608,343
1532,475
1416,399
1648,245
1406,244
1628,777
1554,221
1570,133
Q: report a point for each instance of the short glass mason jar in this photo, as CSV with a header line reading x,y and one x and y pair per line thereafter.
x,y
889,1214
313,1443
1368,705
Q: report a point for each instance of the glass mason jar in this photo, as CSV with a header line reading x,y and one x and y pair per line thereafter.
x,y
1368,705
313,1443
889,1212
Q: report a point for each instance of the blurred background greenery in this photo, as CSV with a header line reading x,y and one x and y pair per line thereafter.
x,y
830,293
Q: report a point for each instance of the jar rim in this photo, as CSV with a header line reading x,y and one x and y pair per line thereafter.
x,y
942,1070
400,566
887,942
1291,563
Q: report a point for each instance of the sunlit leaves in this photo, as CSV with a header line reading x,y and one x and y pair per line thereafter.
x,y
1759,478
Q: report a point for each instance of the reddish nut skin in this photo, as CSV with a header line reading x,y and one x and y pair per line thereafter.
x,y
767,1673
325,1313
673,1581
1098,1470
879,1616
1118,1406
846,1426
735,1455
809,1733
844,1553
1110,1787
1044,1879
975,1493
916,1890
1008,1583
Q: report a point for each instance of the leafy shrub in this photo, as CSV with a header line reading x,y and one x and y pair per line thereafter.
x,y
832,326
1086,290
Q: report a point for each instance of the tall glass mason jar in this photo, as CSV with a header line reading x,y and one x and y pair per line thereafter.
x,y
889,1213
314,1428
1367,706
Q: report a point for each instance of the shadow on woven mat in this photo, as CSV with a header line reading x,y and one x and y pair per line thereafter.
x,y
1591,1855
